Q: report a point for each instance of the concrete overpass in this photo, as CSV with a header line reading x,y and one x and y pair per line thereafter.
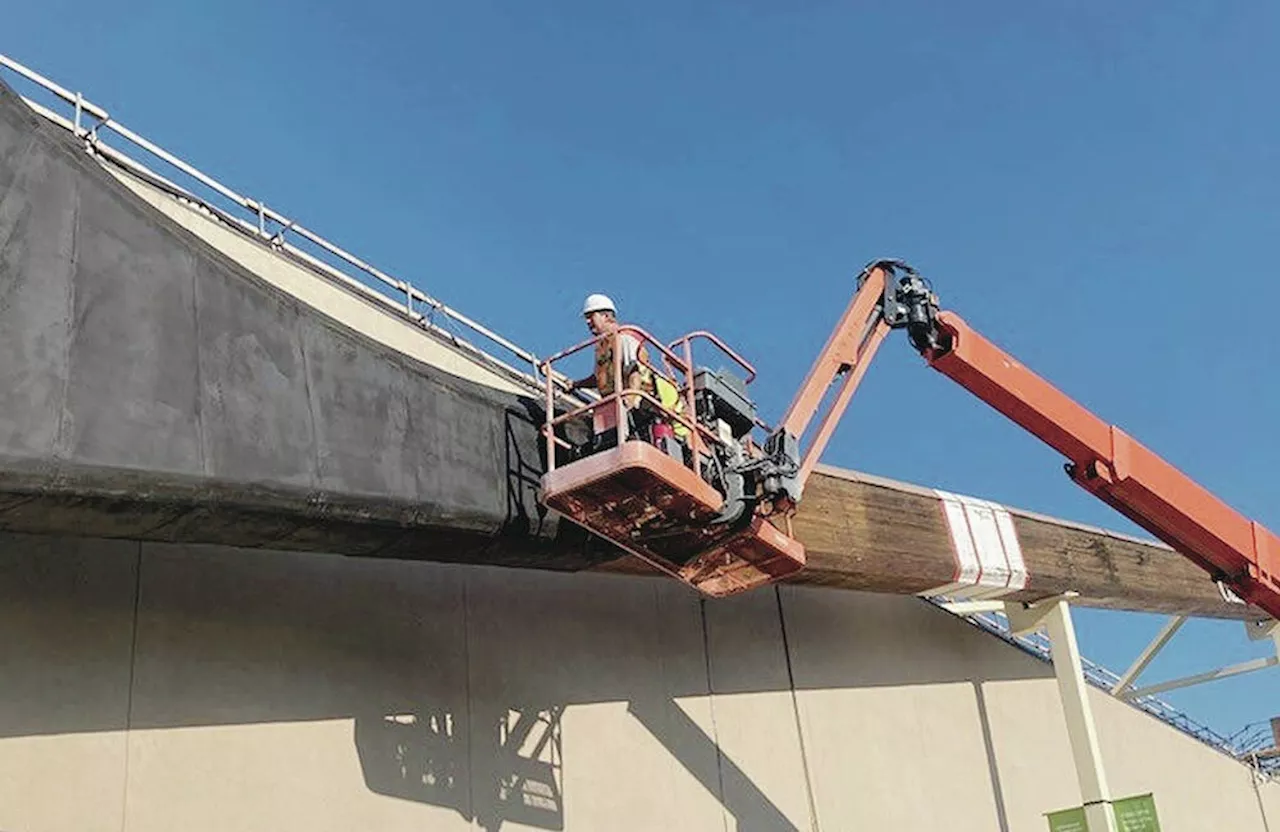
x,y
196,431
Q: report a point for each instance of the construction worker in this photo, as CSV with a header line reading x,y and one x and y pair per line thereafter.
x,y
601,314
602,319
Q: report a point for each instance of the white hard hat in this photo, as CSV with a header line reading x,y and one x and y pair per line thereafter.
x,y
598,303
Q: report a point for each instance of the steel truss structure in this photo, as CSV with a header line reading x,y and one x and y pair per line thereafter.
x,y
1254,744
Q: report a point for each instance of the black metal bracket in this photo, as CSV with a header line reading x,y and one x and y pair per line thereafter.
x,y
909,303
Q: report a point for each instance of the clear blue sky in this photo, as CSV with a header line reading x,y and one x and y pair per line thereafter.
x,y
1092,187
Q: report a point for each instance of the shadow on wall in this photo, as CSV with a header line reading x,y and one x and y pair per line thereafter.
x,y
456,679
509,769
693,749
989,746
552,543
525,466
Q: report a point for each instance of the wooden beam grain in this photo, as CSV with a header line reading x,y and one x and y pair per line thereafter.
x,y
876,535
868,533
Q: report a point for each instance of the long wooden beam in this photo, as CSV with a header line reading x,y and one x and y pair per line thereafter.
x,y
878,535
861,532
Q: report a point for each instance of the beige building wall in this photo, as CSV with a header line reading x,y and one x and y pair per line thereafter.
x,y
164,687
66,630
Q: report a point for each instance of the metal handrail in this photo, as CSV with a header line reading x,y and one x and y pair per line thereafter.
x,y
721,345
639,332
683,365
686,341
101,121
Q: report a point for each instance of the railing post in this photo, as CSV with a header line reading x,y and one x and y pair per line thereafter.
x,y
619,404
547,428
695,441
408,297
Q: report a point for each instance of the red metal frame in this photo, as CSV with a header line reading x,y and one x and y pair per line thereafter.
x,y
688,340
848,352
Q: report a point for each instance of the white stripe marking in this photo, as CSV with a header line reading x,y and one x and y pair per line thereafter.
x,y
989,561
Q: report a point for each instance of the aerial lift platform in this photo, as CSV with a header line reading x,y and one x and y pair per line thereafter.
x,y
663,498
714,511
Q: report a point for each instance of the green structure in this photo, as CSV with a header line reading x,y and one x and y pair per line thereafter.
x,y
1132,814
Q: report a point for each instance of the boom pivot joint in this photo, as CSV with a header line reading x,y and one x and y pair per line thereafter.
x,y
910,303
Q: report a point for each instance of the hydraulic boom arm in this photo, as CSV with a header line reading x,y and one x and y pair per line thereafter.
x,y
1233,549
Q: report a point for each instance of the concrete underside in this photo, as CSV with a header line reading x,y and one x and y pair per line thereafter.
x,y
164,686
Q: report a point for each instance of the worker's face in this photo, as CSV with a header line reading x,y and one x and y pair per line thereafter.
x,y
599,322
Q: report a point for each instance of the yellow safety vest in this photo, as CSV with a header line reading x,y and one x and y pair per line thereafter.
x,y
671,399
604,366
655,384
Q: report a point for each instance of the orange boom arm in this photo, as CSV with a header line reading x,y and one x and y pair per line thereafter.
x,y
1233,549
1117,469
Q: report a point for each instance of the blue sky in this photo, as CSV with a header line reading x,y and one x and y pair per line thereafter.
x,y
1092,188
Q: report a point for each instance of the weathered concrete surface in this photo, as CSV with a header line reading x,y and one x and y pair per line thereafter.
x,y
164,686
154,388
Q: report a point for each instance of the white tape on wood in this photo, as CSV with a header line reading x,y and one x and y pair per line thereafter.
x,y
1227,594
988,557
